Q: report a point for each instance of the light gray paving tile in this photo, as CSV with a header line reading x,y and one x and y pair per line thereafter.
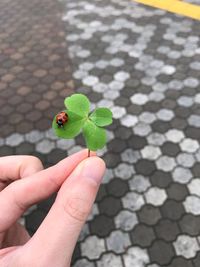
x,y
163,49
118,112
133,201
191,82
111,94
100,87
168,69
157,64
147,117
185,159
165,114
192,205
122,76
87,66
182,175
101,64
126,220
156,96
139,99
156,139
90,80
185,101
129,120
14,139
117,62
110,260
116,85
105,103
65,144
176,85
83,53
194,186
148,80
189,145
151,152
80,74
136,256
174,135
92,247
186,246
155,196
174,54
195,65
118,241
142,129
197,98
194,120
45,146
139,183
49,134
124,171
166,163
131,156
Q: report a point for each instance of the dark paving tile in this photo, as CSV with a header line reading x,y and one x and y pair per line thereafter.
x,y
25,149
161,179
110,206
142,235
177,191
149,215
117,188
167,230
145,167
172,210
190,224
97,225
170,149
161,252
117,145
181,262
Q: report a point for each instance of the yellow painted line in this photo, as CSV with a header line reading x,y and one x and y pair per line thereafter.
x,y
175,6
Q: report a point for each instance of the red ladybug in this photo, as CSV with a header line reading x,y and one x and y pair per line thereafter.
x,y
61,118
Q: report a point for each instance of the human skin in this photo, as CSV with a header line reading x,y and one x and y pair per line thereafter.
x,y
24,182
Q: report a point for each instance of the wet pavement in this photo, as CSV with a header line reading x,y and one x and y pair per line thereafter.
x,y
144,64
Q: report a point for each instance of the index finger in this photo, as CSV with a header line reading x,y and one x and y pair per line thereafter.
x,y
16,167
21,194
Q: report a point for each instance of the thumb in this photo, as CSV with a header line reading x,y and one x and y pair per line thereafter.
x,y
55,239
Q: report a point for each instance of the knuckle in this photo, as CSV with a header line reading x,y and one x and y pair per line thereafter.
x,y
37,162
77,208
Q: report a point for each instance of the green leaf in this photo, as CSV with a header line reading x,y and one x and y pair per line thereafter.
x,y
95,136
71,128
101,117
78,104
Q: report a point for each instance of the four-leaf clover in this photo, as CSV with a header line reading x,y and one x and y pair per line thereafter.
x,y
80,119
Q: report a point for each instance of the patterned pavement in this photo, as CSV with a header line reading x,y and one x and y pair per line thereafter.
x,y
144,64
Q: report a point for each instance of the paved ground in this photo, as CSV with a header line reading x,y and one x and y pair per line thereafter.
x,y
144,64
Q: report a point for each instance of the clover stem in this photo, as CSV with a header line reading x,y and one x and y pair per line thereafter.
x,y
88,153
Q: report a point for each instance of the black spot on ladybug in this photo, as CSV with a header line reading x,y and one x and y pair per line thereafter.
x,y
61,119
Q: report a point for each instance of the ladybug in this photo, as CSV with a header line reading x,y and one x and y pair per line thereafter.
x,y
61,119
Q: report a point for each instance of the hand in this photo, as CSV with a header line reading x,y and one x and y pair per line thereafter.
x,y
23,182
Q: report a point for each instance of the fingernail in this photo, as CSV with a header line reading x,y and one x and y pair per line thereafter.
x,y
94,168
